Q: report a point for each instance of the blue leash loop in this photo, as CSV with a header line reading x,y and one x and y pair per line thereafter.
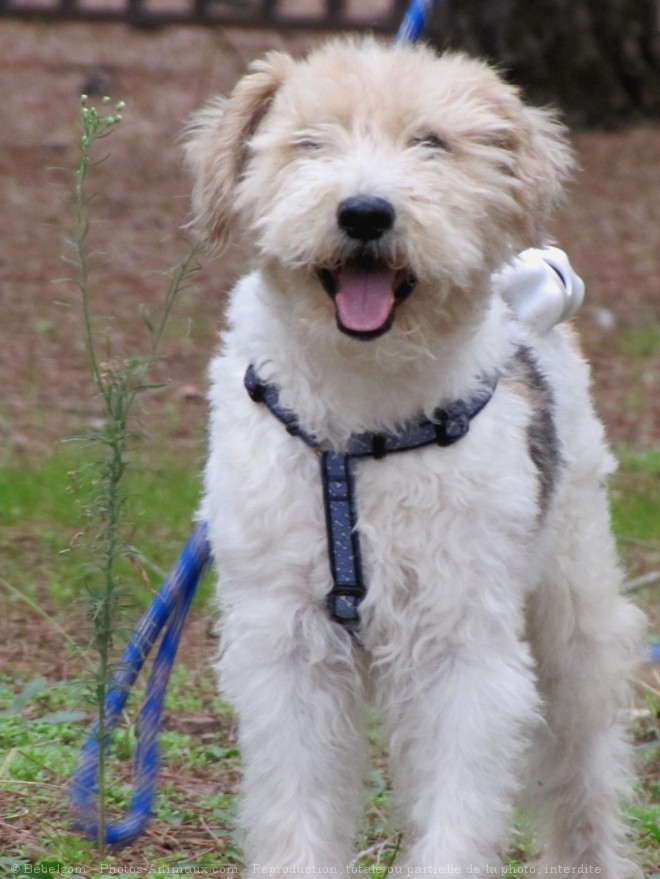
x,y
169,609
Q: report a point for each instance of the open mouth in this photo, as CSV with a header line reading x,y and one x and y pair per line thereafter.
x,y
366,293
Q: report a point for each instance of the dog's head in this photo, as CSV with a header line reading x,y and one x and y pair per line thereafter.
x,y
377,175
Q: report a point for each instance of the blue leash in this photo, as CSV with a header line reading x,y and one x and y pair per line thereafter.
x,y
169,609
414,21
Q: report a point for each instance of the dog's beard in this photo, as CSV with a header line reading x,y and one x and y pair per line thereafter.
x,y
366,292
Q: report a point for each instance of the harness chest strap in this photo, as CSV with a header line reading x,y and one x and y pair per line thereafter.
x,y
448,425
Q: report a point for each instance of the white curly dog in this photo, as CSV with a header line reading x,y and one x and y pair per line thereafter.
x,y
377,190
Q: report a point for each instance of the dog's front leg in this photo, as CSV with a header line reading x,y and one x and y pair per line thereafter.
x,y
297,694
459,725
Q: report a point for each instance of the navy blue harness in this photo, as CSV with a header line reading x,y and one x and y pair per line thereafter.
x,y
447,426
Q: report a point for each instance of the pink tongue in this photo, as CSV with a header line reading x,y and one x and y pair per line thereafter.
x,y
364,298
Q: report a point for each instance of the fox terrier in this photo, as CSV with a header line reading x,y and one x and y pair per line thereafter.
x,y
405,486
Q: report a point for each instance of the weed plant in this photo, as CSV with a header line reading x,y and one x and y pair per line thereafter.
x,y
118,383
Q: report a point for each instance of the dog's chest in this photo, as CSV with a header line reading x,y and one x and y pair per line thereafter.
x,y
452,502
413,507
446,517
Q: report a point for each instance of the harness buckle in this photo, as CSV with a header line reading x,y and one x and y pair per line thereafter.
x,y
451,424
378,447
343,609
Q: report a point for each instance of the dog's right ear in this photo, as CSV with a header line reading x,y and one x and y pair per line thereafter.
x,y
215,145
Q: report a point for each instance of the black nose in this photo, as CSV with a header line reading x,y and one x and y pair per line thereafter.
x,y
366,217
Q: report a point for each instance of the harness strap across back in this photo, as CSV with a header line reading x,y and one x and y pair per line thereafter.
x,y
447,426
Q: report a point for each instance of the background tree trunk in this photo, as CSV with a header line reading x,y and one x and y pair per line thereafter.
x,y
599,60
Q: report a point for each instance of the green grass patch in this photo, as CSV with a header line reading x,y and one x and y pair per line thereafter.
x,y
42,518
640,340
635,500
41,732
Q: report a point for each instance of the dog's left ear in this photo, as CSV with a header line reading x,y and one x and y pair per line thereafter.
x,y
215,145
543,162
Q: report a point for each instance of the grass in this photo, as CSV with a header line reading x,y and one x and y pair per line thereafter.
x,y
41,514
640,340
40,745
635,502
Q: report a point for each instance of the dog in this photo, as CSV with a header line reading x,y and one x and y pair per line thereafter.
x,y
376,190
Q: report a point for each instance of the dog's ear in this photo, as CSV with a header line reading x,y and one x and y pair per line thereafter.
x,y
215,145
543,162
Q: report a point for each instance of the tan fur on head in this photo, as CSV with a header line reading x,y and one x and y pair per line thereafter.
x,y
215,145
240,150
295,138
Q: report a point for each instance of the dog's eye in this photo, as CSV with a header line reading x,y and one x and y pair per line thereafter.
x,y
497,141
430,141
307,142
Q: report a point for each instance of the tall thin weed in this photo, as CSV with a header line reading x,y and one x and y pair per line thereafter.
x,y
118,383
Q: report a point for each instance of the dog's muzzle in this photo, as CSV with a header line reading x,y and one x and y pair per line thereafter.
x,y
365,288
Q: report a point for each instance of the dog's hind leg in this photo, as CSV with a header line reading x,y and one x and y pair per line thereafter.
x,y
584,636
297,693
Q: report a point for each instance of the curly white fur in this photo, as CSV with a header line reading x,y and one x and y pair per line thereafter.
x,y
495,642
